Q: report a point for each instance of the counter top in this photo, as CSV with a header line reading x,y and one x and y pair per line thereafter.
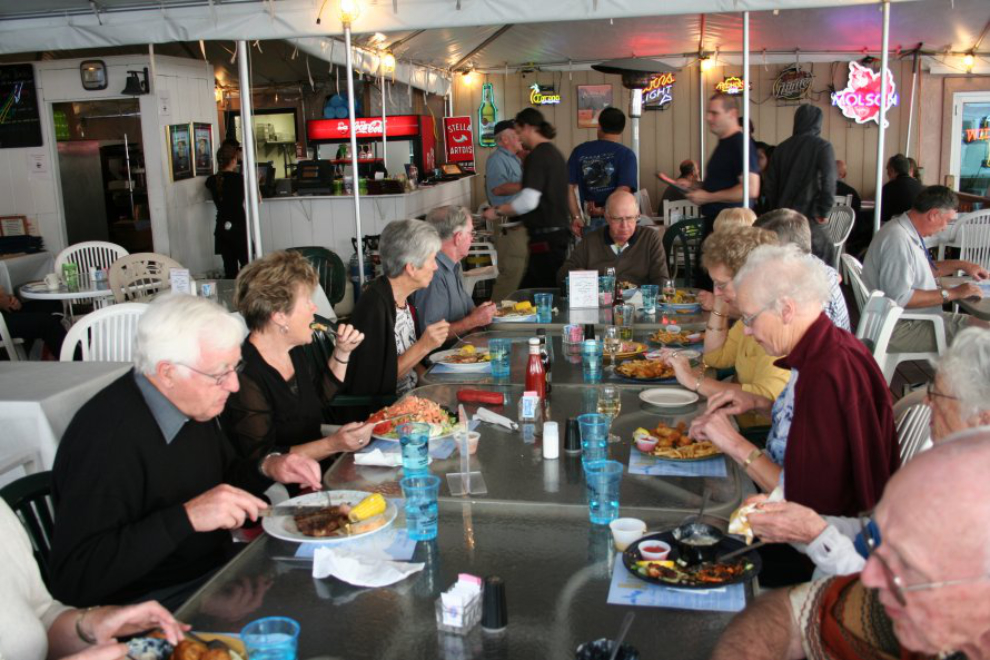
x,y
349,197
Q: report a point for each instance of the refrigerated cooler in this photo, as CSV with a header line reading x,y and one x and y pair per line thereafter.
x,y
411,140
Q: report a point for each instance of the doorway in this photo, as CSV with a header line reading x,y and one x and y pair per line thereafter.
x,y
970,153
102,174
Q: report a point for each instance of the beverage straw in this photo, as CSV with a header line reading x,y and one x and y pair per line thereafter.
x,y
462,439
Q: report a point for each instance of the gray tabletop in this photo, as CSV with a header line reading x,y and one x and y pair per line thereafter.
x,y
978,308
555,565
515,471
567,367
601,317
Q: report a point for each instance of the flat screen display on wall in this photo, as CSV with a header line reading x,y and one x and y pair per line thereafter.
x,y
20,125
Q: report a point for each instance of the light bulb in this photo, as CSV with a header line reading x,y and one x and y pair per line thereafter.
x,y
349,10
969,61
469,77
707,64
388,63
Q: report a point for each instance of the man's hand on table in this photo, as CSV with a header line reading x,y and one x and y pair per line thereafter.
x,y
482,315
223,507
976,271
965,290
293,469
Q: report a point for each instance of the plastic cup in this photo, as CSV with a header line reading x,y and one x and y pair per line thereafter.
x,y
603,479
271,638
420,492
591,360
501,352
649,292
594,437
624,316
606,290
625,531
415,440
544,307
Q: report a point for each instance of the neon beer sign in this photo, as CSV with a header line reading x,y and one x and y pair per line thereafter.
x,y
543,95
659,93
860,100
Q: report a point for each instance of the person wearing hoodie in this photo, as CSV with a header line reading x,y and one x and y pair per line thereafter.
x,y
802,175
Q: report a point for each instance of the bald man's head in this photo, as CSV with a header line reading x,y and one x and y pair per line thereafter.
x,y
840,169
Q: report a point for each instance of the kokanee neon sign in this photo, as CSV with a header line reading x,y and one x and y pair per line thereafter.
x,y
860,100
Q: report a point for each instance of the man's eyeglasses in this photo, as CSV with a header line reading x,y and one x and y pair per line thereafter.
x,y
749,319
933,393
896,585
217,378
629,219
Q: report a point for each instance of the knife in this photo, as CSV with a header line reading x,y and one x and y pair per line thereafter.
x,y
274,511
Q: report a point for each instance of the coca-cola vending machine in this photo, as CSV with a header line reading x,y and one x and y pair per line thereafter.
x,y
411,141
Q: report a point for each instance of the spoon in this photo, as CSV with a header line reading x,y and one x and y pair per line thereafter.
x,y
704,503
617,644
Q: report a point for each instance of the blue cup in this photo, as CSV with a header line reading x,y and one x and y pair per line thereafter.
x,y
649,293
606,290
501,352
591,360
420,492
415,440
594,436
544,307
603,479
271,638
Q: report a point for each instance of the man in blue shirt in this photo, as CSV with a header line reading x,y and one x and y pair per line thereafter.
x,y
600,167
503,181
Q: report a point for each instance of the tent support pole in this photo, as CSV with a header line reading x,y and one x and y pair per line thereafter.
x,y
355,175
914,85
745,99
635,112
701,119
882,119
247,133
384,125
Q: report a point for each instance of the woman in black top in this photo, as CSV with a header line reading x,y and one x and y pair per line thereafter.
x,y
230,234
278,407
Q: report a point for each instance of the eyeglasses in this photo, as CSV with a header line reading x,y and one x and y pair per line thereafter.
x,y
896,585
217,378
749,320
720,286
629,219
933,394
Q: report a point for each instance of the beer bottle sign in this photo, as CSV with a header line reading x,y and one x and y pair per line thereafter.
x,y
487,116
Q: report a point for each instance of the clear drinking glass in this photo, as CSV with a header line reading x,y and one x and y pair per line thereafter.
x,y
603,479
610,404
591,360
594,437
271,638
501,352
414,438
421,492
544,307
606,290
612,342
649,293
624,316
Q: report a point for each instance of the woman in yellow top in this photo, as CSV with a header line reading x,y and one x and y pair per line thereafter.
x,y
723,254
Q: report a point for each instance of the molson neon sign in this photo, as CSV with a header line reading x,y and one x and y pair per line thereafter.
x,y
860,100
658,95
542,95
731,85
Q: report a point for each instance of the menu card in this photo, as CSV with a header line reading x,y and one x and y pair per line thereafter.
x,y
179,278
582,289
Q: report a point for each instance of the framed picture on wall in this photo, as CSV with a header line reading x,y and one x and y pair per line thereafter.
x,y
180,162
591,100
203,139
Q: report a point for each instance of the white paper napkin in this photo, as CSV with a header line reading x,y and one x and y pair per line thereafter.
x,y
367,568
486,415
379,457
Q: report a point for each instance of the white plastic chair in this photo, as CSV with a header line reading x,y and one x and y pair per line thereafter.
x,y
912,417
471,277
676,211
838,228
646,217
138,277
852,271
973,232
843,200
14,347
86,255
106,335
876,326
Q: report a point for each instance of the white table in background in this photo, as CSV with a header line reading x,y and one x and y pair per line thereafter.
x,y
37,402
15,271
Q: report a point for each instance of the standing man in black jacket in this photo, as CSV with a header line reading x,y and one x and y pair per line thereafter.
x,y
802,177
145,483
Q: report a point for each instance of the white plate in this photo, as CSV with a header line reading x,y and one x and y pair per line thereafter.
x,y
529,318
284,527
436,433
438,358
668,397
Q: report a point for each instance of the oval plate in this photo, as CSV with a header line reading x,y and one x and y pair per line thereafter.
x,y
725,546
635,346
474,367
682,308
284,527
668,397
528,318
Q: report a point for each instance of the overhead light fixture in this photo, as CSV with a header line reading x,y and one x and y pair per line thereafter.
x,y
377,38
135,85
388,63
707,63
349,11
969,61
468,76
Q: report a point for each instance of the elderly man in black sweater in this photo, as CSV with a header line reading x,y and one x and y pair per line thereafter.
x,y
145,483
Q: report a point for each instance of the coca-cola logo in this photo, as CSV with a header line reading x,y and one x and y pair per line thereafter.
x,y
860,100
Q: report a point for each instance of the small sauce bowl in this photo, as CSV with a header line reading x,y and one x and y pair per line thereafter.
x,y
654,550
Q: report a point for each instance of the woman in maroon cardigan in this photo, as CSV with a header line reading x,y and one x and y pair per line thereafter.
x,y
833,444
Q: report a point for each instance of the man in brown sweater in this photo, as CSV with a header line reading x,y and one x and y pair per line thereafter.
x,y
635,252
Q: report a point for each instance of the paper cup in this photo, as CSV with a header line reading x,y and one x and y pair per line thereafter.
x,y
625,531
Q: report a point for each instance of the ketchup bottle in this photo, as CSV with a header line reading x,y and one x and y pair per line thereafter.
x,y
536,380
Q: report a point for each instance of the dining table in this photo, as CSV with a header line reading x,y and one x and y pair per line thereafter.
x,y
978,307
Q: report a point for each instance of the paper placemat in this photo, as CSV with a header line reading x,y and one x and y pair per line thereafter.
x,y
439,449
628,590
640,463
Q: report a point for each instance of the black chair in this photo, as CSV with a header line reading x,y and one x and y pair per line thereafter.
x,y
30,498
682,245
330,270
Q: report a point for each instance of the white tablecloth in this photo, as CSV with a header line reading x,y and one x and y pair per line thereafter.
x,y
37,402
16,271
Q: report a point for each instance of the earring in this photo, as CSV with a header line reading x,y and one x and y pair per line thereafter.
x,y
284,329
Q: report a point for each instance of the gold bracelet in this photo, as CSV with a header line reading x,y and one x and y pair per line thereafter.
x,y
753,455
718,313
89,639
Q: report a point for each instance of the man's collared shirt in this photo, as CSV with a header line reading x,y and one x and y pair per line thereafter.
x,y
502,167
897,263
619,249
445,298
169,418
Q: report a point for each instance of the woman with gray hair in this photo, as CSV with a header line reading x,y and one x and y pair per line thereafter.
x,y
832,444
390,352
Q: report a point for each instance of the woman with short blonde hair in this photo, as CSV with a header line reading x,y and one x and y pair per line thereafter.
x,y
279,406
738,216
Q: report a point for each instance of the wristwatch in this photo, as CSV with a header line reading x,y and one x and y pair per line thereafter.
x,y
945,295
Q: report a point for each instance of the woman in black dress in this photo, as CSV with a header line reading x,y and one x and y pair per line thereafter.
x,y
230,234
278,407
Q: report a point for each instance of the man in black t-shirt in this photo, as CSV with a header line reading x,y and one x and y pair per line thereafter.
x,y
542,203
